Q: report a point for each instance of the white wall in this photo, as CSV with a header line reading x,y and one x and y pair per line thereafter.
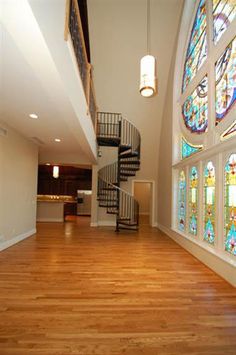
x,y
18,188
165,156
118,42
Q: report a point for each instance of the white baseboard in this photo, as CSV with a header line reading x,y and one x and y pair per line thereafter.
x,y
93,224
50,220
17,239
225,268
106,223
155,225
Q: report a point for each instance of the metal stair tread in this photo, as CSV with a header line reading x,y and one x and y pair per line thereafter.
x,y
108,141
129,155
123,173
125,163
124,148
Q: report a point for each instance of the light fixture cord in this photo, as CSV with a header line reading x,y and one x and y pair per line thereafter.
x,y
148,26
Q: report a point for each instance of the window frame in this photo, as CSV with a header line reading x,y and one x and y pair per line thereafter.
x,y
214,148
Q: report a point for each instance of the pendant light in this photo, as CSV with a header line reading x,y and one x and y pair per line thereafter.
x,y
148,66
55,172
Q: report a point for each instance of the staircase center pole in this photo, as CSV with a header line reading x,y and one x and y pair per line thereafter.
x,y
118,180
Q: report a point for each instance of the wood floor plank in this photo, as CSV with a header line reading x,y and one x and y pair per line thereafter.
x,y
72,289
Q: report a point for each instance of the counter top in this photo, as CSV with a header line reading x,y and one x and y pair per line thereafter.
x,y
56,199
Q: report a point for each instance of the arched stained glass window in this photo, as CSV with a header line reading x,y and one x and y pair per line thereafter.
x,y
195,108
193,200
225,71
230,132
182,201
230,205
189,149
209,203
197,47
224,12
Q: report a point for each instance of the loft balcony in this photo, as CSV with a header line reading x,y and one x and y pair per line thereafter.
x,y
46,70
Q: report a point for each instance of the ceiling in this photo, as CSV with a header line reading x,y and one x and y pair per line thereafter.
x,y
118,41
32,82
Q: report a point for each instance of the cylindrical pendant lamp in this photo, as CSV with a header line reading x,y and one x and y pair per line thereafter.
x,y
55,173
147,76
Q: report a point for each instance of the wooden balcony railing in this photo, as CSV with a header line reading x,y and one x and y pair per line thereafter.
x,y
73,28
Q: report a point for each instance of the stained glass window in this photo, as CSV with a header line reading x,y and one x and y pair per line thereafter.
x,y
193,201
225,71
230,132
195,108
188,149
223,13
182,201
197,47
209,203
230,205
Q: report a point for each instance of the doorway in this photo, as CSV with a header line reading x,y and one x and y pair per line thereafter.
x,y
143,192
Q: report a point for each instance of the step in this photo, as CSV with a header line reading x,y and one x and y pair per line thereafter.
x,y
129,168
107,205
131,228
123,173
112,210
131,224
124,148
106,194
107,200
108,141
130,162
128,155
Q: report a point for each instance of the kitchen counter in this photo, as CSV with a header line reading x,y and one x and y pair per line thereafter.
x,y
50,208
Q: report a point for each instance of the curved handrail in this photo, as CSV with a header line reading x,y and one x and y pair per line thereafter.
x,y
121,128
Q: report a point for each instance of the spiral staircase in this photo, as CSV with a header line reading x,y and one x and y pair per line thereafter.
x,y
115,131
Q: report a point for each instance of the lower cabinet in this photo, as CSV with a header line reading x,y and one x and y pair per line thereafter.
x,y
70,209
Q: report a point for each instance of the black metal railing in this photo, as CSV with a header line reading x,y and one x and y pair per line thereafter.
x,y
92,104
108,124
109,173
130,136
76,32
73,26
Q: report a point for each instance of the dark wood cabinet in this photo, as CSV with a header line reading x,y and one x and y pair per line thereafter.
x,y
70,209
70,180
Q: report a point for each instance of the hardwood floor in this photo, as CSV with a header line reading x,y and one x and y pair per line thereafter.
x,y
72,289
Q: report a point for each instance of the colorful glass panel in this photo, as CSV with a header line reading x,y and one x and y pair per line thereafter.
x,y
193,201
195,108
197,47
209,203
230,205
225,72
224,12
182,201
230,132
188,149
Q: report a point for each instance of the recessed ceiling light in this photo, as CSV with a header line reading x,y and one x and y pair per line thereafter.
x,y
48,164
33,115
57,140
